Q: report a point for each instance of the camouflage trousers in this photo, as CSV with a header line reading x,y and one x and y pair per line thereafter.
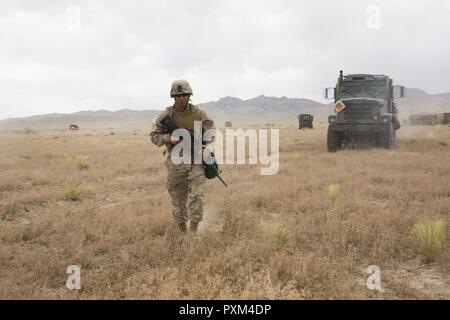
x,y
185,183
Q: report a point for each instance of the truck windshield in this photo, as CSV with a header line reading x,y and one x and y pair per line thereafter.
x,y
349,90
376,90
373,90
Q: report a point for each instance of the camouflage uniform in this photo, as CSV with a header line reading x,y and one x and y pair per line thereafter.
x,y
185,182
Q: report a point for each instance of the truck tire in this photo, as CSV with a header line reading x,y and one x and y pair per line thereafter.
x,y
386,137
395,122
333,140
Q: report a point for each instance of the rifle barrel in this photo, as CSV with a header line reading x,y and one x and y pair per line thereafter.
x,y
222,181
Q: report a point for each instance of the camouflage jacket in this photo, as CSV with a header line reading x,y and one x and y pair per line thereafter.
x,y
160,136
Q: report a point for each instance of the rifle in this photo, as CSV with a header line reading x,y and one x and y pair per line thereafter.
x,y
211,168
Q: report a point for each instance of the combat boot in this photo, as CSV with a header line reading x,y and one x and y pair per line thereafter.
x,y
182,227
193,227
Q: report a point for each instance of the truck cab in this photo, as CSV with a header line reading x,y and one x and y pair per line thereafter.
x,y
364,111
305,121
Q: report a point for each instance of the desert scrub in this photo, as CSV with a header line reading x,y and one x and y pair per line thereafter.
x,y
10,211
333,191
77,191
79,161
230,222
295,157
278,235
429,236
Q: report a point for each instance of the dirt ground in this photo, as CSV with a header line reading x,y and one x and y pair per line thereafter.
x,y
263,237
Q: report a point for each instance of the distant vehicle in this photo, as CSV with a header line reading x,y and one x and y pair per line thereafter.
x,y
446,118
73,127
305,121
428,119
365,111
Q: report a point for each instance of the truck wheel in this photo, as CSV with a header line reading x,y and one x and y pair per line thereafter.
x,y
395,122
333,140
387,137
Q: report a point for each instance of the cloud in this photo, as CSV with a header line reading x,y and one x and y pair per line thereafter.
x,y
78,55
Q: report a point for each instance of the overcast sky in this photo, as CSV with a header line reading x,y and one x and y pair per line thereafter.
x,y
67,56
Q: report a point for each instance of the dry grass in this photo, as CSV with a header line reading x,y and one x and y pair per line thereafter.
x,y
77,191
79,161
430,237
285,236
333,191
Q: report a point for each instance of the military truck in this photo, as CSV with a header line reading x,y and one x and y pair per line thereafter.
x,y
305,121
428,119
446,118
364,111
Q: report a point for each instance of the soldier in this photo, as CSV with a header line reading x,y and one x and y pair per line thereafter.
x,y
185,182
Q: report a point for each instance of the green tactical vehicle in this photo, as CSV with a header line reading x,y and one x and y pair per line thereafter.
x,y
428,119
305,121
365,111
446,118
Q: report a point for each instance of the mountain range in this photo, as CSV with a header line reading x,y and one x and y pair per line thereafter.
x,y
261,109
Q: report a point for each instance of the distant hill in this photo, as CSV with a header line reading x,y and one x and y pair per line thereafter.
x,y
258,109
419,101
100,118
261,109
263,103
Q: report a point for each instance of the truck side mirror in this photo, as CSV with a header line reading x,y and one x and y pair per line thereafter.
x,y
398,92
329,93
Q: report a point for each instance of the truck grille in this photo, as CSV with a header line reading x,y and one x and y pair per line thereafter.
x,y
360,111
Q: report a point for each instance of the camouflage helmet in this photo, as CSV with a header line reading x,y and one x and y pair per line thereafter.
x,y
180,87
